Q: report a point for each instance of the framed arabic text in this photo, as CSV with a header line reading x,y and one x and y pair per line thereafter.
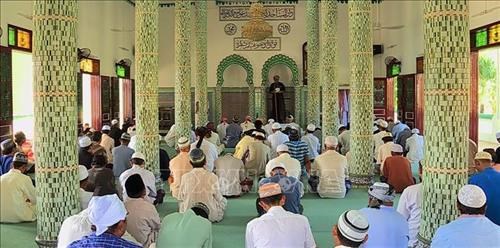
x,y
272,13
269,44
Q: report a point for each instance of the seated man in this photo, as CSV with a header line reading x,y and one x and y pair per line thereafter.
x,y
277,227
410,206
85,195
298,150
138,163
397,170
388,228
99,162
233,133
200,185
213,137
471,228
107,142
351,229
331,168
384,151
488,180
312,142
291,187
242,146
231,173
8,148
292,166
84,154
143,221
17,193
258,154
209,149
107,215
276,138
179,166
188,229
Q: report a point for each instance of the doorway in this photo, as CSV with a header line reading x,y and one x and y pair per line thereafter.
x,y
488,96
22,93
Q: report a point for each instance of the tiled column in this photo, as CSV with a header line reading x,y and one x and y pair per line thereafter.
x,y
313,85
328,66
183,68
146,81
361,64
446,116
55,60
200,94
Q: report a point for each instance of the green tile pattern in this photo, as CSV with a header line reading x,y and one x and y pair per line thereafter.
x,y
328,68
361,64
313,80
200,93
146,81
55,77
183,68
446,116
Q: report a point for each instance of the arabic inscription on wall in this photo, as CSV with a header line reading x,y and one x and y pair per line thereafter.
x,y
269,44
272,12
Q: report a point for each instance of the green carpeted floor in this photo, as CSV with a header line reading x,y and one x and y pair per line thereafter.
x,y
322,214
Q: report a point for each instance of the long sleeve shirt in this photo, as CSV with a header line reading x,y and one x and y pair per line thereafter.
x,y
210,151
17,198
231,172
147,177
467,231
276,139
291,165
143,221
185,230
388,228
313,144
179,166
415,148
410,206
331,167
258,156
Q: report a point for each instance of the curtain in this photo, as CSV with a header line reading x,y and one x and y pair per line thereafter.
x,y
95,89
127,98
344,107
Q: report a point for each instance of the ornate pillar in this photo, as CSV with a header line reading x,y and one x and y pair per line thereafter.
x,y
183,68
200,93
259,113
446,116
361,64
55,61
313,85
218,102
251,100
146,81
328,66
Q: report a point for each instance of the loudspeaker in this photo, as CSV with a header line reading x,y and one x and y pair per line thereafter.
x,y
378,49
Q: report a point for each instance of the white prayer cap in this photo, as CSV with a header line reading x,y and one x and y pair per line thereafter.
x,y
183,142
353,225
311,127
331,141
387,134
276,165
106,128
271,121
415,131
259,134
282,148
106,211
471,196
84,141
397,148
269,189
483,156
382,192
83,173
276,126
383,123
114,122
139,155
498,135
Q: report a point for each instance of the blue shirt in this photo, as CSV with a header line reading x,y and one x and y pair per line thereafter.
x,y
291,188
397,129
121,159
104,240
388,228
467,231
5,163
489,181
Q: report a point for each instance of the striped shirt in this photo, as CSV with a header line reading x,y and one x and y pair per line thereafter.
x,y
298,150
103,240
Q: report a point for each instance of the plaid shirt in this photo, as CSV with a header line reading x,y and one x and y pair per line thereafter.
x,y
104,240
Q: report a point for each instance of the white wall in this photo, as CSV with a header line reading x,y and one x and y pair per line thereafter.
x,y
95,19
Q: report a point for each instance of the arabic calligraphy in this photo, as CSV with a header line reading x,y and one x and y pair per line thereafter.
x,y
269,44
271,12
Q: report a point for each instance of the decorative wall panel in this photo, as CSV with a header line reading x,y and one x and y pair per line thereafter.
x,y
313,80
201,100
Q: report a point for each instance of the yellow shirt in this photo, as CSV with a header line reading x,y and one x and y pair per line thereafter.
x,y
242,146
17,198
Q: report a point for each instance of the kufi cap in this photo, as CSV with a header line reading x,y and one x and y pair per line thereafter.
x,y
269,189
125,136
294,133
236,119
20,157
138,155
415,131
383,123
260,134
471,196
382,192
202,205
397,148
134,185
270,121
276,126
183,142
106,128
331,141
276,165
483,156
7,144
282,148
106,211
114,122
84,142
353,225
290,117
311,127
387,135
83,173
498,135
196,156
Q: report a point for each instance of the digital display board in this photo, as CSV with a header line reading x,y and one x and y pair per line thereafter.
x,y
19,38
485,36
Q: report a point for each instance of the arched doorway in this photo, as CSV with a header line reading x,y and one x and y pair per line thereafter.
x,y
239,60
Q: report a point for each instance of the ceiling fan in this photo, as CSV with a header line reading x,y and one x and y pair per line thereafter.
x,y
486,10
378,25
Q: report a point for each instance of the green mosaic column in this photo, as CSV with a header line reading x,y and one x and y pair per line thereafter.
x,y
146,81
55,60
251,101
361,64
446,116
183,68
313,85
328,67
200,94
258,104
